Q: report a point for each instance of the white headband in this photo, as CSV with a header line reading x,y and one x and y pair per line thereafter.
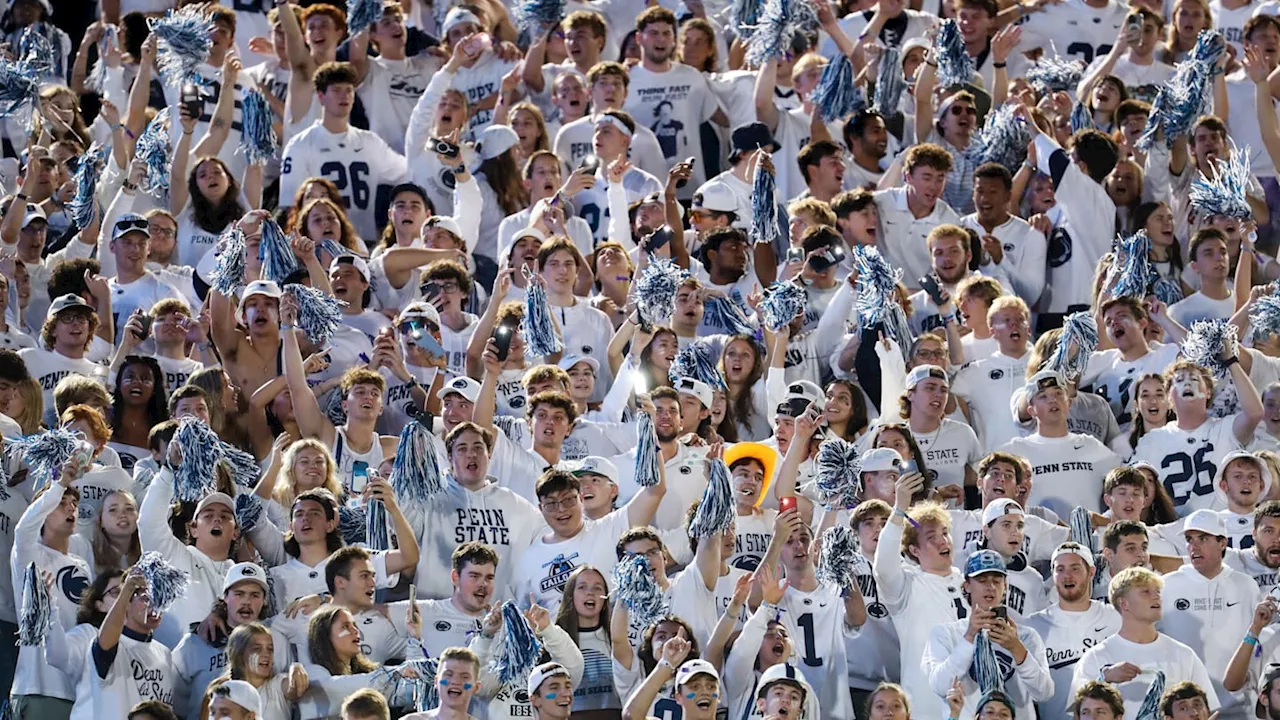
x,y
614,121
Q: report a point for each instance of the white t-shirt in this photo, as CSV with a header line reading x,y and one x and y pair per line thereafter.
x,y
545,567
1076,30
1188,460
389,92
949,451
1141,81
1231,22
1112,377
673,104
574,142
1197,306
987,386
138,669
359,162
1177,661
815,621
1067,471
140,294
194,242
48,367
478,82
1067,636
177,371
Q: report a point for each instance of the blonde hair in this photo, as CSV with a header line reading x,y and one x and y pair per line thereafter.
x,y
32,406
286,488
925,513
1131,578
1008,302
820,210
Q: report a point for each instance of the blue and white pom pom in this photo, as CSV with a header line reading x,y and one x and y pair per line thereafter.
x,y
725,313
249,512
743,18
1150,708
19,92
363,15
351,524
877,299
1206,342
986,666
243,467
1185,96
319,313
1082,527
415,474
520,648
837,563
201,450
635,587
782,303
764,203
228,272
279,263
165,583
1079,340
537,16
35,615
377,532
184,42
536,327
1003,139
98,74
36,50
83,203
153,149
890,82
656,289
1225,195
1132,273
417,690
778,22
955,67
836,94
1264,317
837,471
258,140
45,453
1167,290
1051,74
1081,118
696,361
715,510
648,467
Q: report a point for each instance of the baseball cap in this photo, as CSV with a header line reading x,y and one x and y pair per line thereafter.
x,y
359,263
464,386
1205,521
596,465
715,196
505,253
419,311
459,16
692,668
999,508
764,454
782,673
215,498
806,389
33,213
752,136
567,362
243,694
259,287
1073,548
982,562
1269,675
66,302
996,696
543,672
1044,380
495,140
446,223
245,572
696,388
880,459
127,223
920,373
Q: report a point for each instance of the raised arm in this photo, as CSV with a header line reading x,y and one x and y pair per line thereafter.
x,y
674,651
926,81
1256,67
223,111
766,81
178,162
312,421
405,556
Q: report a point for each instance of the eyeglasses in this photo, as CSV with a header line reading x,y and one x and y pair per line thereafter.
x,y
567,503
163,231
958,110
650,554
931,354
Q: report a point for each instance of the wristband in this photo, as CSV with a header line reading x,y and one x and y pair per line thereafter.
x,y
21,196
1233,360
931,64
665,663
906,517
949,318
999,64
1250,639
129,186
288,326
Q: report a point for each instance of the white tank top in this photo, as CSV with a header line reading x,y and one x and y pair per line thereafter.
x,y
350,463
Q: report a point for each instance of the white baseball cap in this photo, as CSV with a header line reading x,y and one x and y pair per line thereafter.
x,y
1044,380
446,223
269,288
66,302
595,465
568,361
464,386
692,668
419,311
999,508
715,196
33,213
920,373
543,672
696,388
359,263
215,498
880,459
245,572
1205,521
459,16
243,694
495,140
1073,548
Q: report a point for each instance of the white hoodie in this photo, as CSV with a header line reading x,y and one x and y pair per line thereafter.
x,y
949,655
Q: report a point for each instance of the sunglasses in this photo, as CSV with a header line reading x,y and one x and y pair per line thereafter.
x,y
957,111
131,224
411,325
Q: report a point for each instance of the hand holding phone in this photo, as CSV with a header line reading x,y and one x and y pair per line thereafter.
x,y
684,181
932,289
1001,612
786,503
502,338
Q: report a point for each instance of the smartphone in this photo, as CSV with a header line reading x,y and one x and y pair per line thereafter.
x,y
590,163
359,479
502,338
1001,611
931,288
445,148
413,595
430,290
786,503
909,467
683,181
192,100
1134,24
427,342
795,254
145,320
833,255
478,44
658,239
